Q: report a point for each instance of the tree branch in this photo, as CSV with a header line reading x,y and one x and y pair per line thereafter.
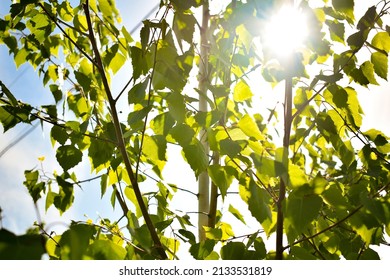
x,y
119,136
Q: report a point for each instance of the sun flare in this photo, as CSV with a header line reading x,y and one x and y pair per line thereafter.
x,y
286,30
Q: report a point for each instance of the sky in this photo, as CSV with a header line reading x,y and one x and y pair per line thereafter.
x,y
18,209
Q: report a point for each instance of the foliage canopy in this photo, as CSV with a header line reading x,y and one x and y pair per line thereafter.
x,y
326,188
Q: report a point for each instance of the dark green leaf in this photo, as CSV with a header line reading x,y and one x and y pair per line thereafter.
x,y
9,95
59,134
22,247
356,40
138,92
100,152
189,235
202,250
233,251
68,156
31,182
145,34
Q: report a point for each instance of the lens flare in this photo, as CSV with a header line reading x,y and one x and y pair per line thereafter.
x,y
286,31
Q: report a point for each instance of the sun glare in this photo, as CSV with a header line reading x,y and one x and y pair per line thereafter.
x,y
286,31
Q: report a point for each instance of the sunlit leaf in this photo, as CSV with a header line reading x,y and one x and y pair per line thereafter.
x,y
381,64
250,128
242,92
106,250
381,41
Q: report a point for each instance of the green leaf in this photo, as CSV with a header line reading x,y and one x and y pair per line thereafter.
x,y
236,213
177,107
145,34
357,40
7,92
381,64
162,123
65,197
258,201
299,253
183,134
381,40
189,235
139,63
242,92
75,241
222,177
250,128
337,30
229,147
31,182
68,156
268,166
301,211
233,251
334,197
196,156
113,59
106,250
22,247
138,92
65,11
184,27
346,7
296,177
368,71
59,134
202,250
155,147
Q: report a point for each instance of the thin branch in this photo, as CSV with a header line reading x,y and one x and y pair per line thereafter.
x,y
121,143
53,19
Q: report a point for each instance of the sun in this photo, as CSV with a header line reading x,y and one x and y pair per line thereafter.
x,y
286,31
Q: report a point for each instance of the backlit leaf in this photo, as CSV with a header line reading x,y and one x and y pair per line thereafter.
x,y
381,41
381,64
196,156
301,211
250,128
242,92
106,250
